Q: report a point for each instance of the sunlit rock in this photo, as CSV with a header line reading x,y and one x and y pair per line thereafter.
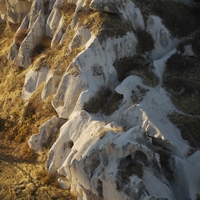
x,y
33,80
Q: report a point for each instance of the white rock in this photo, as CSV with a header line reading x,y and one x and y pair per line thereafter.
x,y
161,36
67,95
64,183
53,22
107,157
80,39
187,177
33,80
47,132
132,13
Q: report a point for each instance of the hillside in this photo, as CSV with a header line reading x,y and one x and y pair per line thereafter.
x,y
100,99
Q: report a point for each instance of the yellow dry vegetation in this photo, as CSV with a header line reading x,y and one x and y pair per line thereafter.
x,y
20,119
22,174
59,57
11,77
17,121
114,129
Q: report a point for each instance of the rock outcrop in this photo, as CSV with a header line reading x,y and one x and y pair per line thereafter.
x,y
108,78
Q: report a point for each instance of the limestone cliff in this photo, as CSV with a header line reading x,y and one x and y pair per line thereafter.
x,y
122,76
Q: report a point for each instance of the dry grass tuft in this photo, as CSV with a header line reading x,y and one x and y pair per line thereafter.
x,y
106,130
45,178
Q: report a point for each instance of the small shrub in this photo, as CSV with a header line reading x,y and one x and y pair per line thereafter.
x,y
38,50
68,13
96,103
193,40
27,154
177,63
189,126
113,26
125,65
46,178
196,43
185,93
136,65
19,36
130,169
145,42
112,104
115,129
181,86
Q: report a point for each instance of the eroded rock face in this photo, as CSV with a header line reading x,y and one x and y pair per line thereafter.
x,y
106,164
134,152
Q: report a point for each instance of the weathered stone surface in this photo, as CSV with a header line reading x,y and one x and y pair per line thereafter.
x,y
66,98
101,158
81,38
33,80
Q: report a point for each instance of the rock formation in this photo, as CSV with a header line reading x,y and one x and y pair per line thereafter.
x,y
109,66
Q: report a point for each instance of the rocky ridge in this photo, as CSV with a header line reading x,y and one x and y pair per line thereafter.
x,y
108,68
